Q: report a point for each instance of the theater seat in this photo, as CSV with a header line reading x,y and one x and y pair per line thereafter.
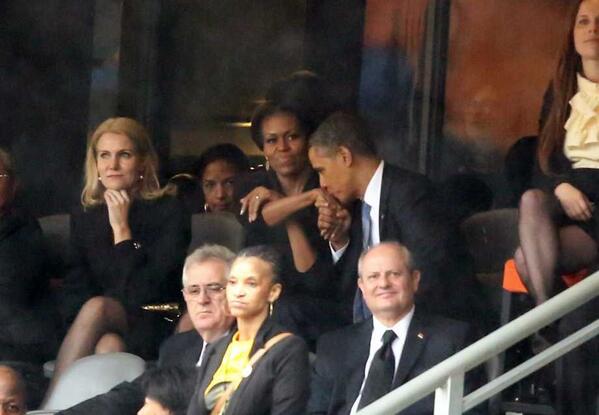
x,y
220,228
91,376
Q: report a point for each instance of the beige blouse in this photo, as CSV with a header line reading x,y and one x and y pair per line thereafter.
x,y
581,145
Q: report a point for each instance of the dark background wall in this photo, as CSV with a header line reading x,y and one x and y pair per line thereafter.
x,y
45,58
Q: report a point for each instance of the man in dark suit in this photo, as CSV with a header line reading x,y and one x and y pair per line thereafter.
x,y
366,201
204,278
358,364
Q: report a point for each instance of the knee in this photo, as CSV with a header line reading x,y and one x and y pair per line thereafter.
x,y
99,307
110,343
532,200
520,263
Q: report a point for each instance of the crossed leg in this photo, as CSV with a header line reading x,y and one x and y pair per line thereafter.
x,y
98,328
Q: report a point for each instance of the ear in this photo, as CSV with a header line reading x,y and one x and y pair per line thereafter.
x,y
345,155
361,284
415,280
275,292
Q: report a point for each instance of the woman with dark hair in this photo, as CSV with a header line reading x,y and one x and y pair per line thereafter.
x,y
260,368
26,328
128,243
558,225
217,170
282,133
168,391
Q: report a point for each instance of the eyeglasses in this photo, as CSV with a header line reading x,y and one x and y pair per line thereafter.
x,y
211,290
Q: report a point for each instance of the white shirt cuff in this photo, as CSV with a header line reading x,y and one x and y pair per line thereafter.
x,y
338,254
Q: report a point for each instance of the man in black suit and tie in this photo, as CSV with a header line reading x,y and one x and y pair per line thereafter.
x,y
204,278
358,364
366,201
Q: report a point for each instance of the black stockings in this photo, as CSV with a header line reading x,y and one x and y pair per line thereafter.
x,y
545,250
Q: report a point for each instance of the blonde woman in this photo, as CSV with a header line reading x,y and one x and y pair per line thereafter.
x,y
128,243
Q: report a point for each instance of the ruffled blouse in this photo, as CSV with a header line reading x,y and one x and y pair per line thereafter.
x,y
581,145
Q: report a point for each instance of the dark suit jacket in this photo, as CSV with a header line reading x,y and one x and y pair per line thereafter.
x,y
278,383
409,213
181,350
28,326
341,356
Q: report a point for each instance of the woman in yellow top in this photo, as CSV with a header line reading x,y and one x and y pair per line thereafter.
x,y
275,383
559,225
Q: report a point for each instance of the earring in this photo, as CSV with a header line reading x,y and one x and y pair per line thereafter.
x,y
99,179
141,177
270,307
267,165
205,207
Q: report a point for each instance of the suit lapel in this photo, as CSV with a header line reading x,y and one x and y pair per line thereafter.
x,y
415,341
212,360
358,350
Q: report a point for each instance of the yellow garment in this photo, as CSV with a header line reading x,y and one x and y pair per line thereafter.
x,y
581,145
236,358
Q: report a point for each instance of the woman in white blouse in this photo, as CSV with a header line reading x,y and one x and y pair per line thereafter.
x,y
558,225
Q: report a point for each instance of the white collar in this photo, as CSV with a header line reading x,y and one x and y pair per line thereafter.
x,y
372,195
400,328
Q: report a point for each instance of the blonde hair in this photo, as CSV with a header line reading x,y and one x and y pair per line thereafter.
x,y
149,187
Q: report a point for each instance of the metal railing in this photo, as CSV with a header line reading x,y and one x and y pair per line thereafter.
x,y
446,379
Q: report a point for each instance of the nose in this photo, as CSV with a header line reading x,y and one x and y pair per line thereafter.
x,y
203,297
219,191
384,281
114,163
283,144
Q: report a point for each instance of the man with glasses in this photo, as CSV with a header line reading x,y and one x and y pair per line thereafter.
x,y
204,278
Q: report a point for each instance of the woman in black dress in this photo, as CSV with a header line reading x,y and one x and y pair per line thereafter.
x,y
559,223
128,244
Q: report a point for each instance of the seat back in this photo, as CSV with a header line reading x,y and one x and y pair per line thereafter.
x,y
492,239
57,232
93,375
220,228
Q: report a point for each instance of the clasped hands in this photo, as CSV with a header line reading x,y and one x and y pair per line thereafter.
x,y
334,220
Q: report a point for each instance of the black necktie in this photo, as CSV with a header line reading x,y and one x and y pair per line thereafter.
x,y
380,375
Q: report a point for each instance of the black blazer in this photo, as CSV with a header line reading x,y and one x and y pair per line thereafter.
x,y
143,270
341,357
181,350
409,213
279,383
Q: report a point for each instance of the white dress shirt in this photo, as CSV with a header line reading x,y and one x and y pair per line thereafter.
x,y
376,341
372,196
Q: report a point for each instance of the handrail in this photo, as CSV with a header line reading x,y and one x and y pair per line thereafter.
x,y
487,347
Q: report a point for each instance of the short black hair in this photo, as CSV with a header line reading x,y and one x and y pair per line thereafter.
x,y
267,254
171,387
344,129
227,152
268,108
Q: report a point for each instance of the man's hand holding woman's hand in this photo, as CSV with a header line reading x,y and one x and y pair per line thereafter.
x,y
333,220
